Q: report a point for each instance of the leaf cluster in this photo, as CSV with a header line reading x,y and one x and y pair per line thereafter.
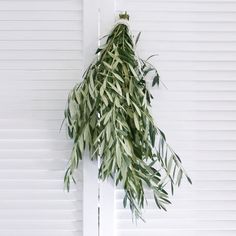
x,y
108,113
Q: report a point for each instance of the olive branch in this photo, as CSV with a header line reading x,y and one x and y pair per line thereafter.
x,y
108,113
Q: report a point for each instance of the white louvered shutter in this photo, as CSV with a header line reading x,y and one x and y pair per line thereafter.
x,y
195,42
40,60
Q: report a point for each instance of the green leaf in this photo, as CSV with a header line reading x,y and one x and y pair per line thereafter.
x,y
127,99
109,96
118,77
189,180
103,87
169,165
136,122
108,131
114,88
154,55
155,81
137,109
179,177
107,117
119,90
137,38
117,102
81,144
133,71
107,65
125,201
104,99
118,154
126,147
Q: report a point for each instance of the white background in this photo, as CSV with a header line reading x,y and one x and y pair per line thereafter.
x,y
45,45
40,60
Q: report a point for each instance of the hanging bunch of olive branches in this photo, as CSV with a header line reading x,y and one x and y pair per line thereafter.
x,y
108,113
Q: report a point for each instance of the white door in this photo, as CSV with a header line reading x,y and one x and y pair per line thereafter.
x,y
40,60
195,43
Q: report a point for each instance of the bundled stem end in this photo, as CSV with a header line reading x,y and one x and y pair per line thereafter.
x,y
124,16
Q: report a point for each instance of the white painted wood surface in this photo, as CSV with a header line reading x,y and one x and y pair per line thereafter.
x,y
195,43
45,45
40,60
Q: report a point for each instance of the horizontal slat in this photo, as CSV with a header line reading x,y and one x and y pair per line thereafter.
x,y
34,174
203,85
177,6
40,15
40,25
182,1
200,116
46,215
44,65
48,56
183,232
179,204
155,47
185,36
41,232
32,134
44,195
32,85
185,26
196,65
205,187
209,76
32,144
182,16
179,224
39,224
40,35
24,77
30,123
40,205
181,215
208,155
39,164
44,185
44,5
44,45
